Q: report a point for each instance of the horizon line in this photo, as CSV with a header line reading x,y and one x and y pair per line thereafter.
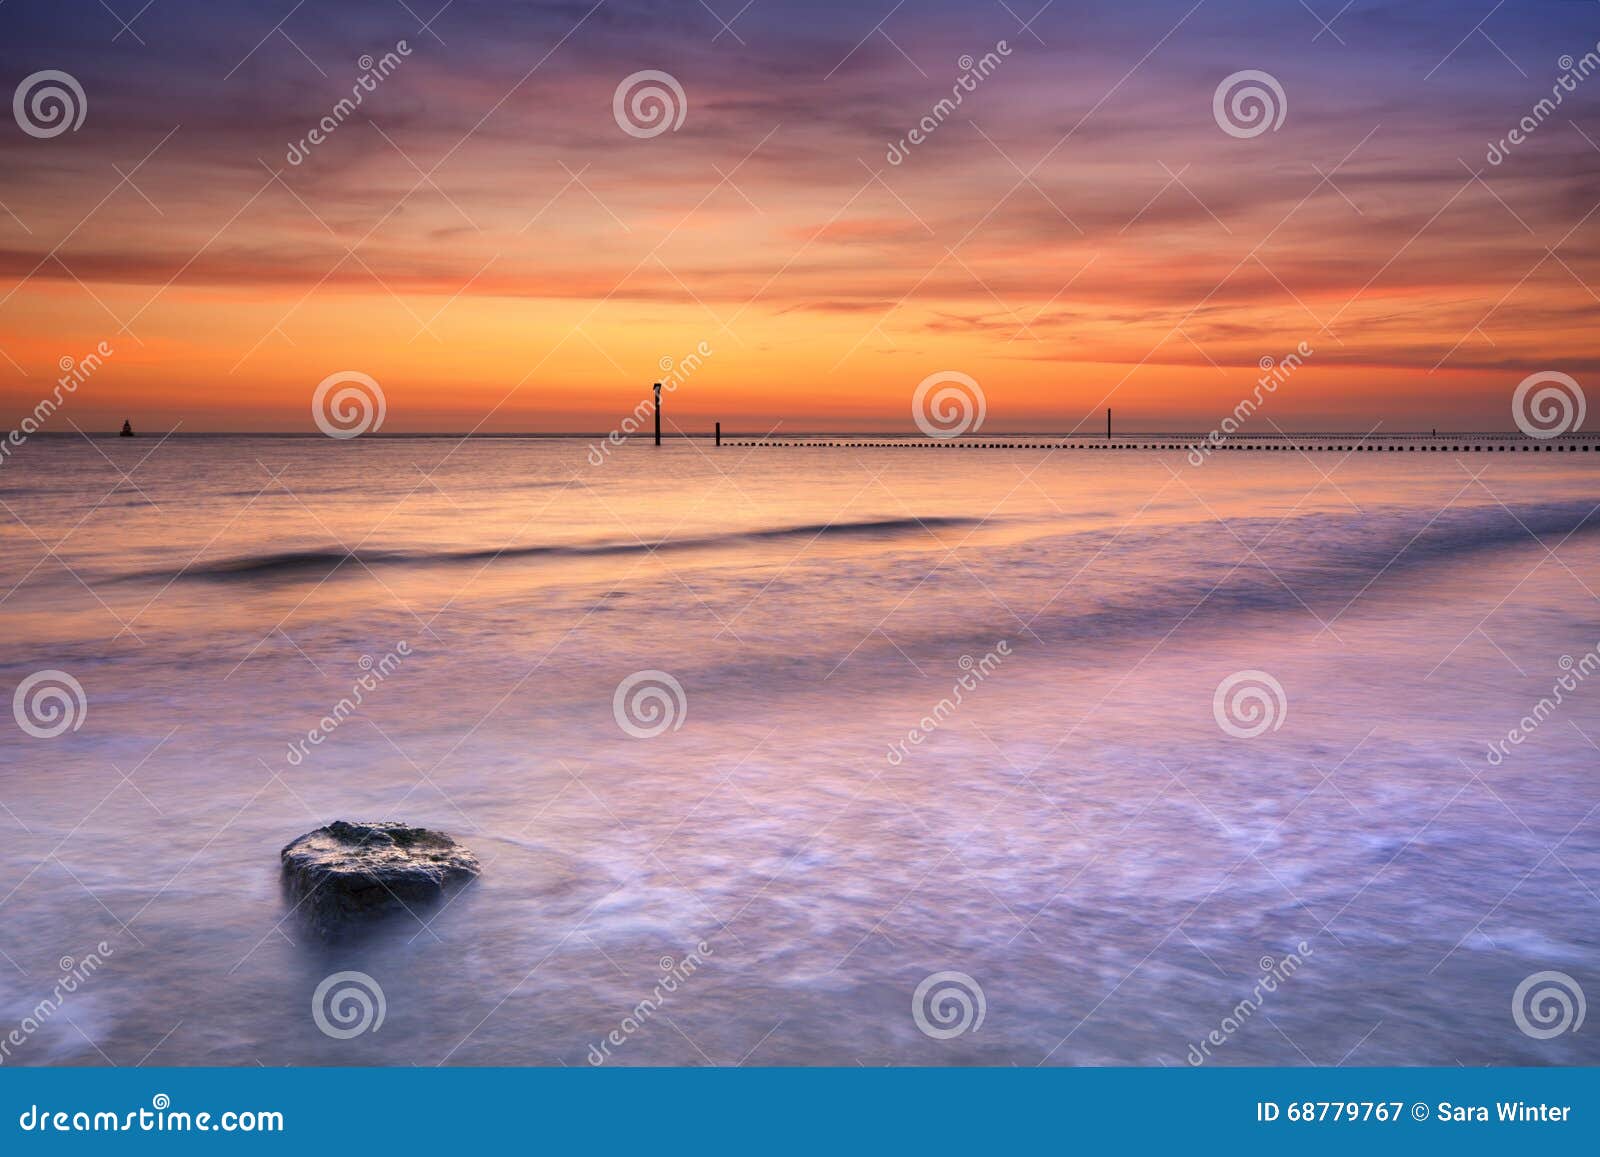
x,y
606,435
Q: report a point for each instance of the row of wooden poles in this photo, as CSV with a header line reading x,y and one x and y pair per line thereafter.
x,y
1455,442
1201,445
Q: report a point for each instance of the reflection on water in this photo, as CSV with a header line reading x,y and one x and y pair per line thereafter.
x,y
1077,835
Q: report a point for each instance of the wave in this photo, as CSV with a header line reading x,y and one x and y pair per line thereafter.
x,y
1127,577
1406,537
328,559
1323,562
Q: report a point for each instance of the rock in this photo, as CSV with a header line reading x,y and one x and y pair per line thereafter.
x,y
349,872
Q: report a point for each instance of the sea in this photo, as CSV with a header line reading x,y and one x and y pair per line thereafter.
x,y
845,754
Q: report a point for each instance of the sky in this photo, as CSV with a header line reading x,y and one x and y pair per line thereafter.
x,y
487,241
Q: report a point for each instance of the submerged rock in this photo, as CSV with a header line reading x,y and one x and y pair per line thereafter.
x,y
348,872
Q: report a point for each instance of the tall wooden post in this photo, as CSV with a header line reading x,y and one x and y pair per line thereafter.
x,y
658,413
719,433
1108,423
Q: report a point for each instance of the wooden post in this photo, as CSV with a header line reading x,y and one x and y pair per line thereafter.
x,y
658,413
719,433
1108,423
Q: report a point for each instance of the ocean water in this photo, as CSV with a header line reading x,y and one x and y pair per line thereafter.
x,y
1106,855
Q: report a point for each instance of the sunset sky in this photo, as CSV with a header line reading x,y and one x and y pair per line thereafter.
x,y
483,239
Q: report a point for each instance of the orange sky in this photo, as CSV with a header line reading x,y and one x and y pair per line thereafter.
x,y
537,278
